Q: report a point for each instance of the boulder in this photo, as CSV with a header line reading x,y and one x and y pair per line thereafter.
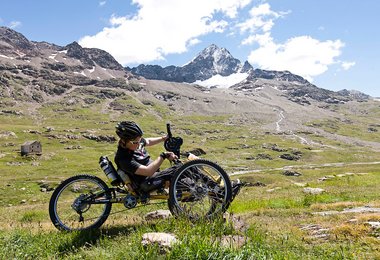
x,y
164,240
236,221
290,157
198,152
233,241
313,191
291,173
158,214
263,156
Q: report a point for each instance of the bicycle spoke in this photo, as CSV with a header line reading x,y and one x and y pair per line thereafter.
x,y
200,190
81,203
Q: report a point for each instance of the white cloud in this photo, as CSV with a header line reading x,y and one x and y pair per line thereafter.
x,y
302,55
101,3
14,24
192,42
261,19
162,27
346,65
159,28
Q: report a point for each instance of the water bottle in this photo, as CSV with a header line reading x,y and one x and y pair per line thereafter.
x,y
109,170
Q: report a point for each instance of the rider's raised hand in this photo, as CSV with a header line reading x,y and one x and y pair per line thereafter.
x,y
171,156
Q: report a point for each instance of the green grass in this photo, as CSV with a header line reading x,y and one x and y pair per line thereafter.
x,y
274,213
198,241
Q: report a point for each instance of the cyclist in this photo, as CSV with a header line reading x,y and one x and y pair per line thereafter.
x,y
132,157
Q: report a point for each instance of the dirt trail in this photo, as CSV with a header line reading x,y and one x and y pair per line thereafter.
x,y
282,121
305,166
282,117
283,124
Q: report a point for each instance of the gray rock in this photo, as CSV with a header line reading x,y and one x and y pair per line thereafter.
x,y
233,241
198,152
164,240
274,189
290,157
315,231
15,163
158,214
364,209
100,138
73,147
263,156
313,191
236,221
291,173
6,134
374,224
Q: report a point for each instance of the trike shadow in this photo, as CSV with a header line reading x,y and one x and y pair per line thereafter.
x,y
91,237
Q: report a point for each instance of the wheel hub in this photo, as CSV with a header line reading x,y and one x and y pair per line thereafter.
x,y
201,190
79,205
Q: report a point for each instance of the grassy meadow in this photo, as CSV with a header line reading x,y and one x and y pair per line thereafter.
x,y
282,220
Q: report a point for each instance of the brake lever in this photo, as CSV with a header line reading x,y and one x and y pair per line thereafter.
x,y
168,130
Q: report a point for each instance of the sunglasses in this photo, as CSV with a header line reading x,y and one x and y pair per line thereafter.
x,y
135,142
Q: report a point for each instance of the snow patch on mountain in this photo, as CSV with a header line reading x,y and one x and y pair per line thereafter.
x,y
3,56
222,81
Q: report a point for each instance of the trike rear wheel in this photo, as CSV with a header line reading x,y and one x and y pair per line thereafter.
x,y
80,203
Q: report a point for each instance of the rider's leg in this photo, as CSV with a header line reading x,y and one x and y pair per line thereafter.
x,y
158,179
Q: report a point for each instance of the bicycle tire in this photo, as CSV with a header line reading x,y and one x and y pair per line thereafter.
x,y
69,196
208,189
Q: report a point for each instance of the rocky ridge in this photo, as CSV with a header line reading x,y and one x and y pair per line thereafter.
x,y
214,61
34,74
38,71
35,71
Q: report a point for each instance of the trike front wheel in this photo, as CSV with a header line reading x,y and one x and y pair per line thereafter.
x,y
199,189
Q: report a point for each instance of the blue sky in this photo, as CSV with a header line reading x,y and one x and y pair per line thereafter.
x,y
333,43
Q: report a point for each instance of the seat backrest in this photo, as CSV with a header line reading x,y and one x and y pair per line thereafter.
x,y
128,179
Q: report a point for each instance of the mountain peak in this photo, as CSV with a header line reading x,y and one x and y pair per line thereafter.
x,y
15,39
214,60
216,52
90,56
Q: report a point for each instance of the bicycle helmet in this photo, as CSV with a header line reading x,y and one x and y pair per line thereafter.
x,y
128,130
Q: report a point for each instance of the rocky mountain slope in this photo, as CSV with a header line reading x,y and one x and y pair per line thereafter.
x,y
211,61
214,62
34,71
33,74
47,69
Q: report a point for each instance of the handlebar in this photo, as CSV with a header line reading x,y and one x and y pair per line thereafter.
x,y
168,130
173,144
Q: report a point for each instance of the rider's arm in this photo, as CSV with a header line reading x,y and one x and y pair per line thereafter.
x,y
153,166
155,140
